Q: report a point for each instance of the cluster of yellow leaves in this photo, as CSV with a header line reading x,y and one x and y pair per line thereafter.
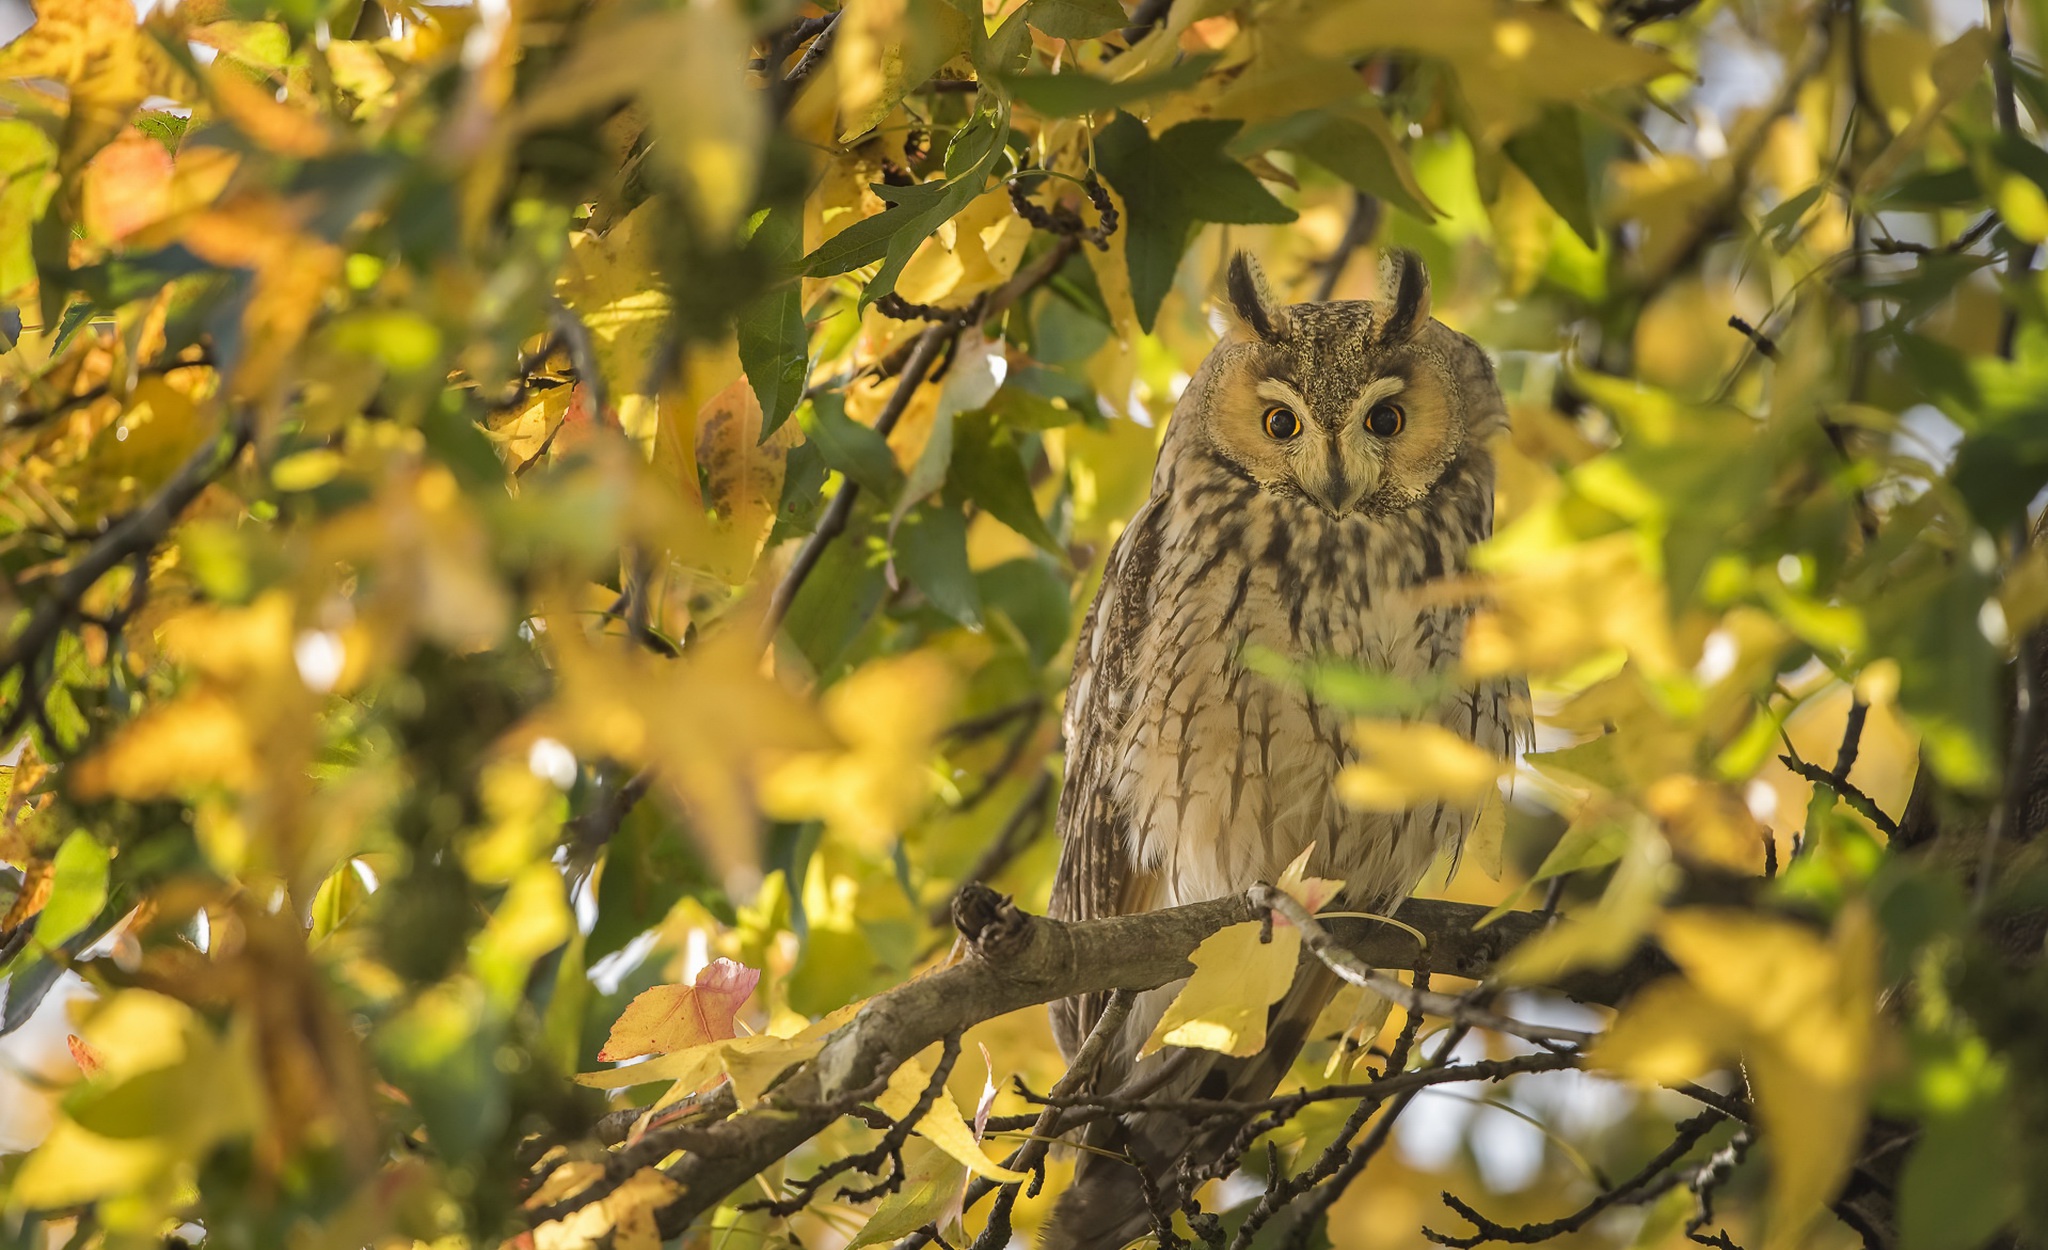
x,y
1797,1008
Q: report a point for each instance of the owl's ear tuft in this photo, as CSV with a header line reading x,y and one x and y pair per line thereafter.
x,y
1404,281
1252,302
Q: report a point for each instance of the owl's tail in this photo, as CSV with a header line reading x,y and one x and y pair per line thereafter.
x,y
1105,1207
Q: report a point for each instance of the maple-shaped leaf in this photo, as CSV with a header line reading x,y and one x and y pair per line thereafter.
x,y
1237,977
672,1017
1170,183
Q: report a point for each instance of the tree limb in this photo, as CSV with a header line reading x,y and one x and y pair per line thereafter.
x,y
1013,960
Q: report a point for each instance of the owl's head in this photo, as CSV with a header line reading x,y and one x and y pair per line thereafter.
x,y
1358,406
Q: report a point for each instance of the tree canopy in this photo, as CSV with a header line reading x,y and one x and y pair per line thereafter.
x,y
540,534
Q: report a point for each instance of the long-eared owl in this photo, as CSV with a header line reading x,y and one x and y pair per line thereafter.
x,y
1323,473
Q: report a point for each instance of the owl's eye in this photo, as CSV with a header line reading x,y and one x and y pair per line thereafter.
x,y
1385,420
1281,423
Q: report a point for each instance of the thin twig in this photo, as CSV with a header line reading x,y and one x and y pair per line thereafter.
x,y
137,533
833,523
1364,222
1348,967
1849,793
1652,1179
28,419
1026,1158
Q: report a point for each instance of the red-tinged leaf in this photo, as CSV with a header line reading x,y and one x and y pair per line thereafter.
x,y
672,1017
89,1061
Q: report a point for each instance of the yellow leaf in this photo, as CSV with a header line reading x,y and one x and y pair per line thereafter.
x,y
1555,602
1955,68
623,1219
1310,892
1404,764
742,474
1807,1004
273,124
888,713
610,281
942,1124
934,1183
1605,934
1236,978
753,1062
532,919
613,698
168,1090
674,1017
106,62
692,1068
887,47
197,740
1486,843
1510,58
1669,1032
230,644
684,67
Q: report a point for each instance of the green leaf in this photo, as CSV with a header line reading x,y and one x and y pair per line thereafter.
x,y
1077,94
1362,151
1960,1186
774,346
988,469
649,865
441,1051
849,447
1076,19
914,212
931,553
1552,152
28,177
2001,470
1929,621
2023,158
1030,593
803,478
78,888
1934,188
1170,183
835,603
1004,52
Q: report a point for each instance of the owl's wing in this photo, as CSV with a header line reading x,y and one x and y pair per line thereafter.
x,y
1096,877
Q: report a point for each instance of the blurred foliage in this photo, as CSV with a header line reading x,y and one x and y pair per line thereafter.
x,y
508,510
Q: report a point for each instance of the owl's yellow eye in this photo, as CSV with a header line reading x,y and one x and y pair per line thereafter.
x,y
1385,420
1281,423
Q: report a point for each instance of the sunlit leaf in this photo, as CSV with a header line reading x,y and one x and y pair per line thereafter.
x,y
1223,1004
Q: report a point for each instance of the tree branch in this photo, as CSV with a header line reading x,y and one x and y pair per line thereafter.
x,y
1013,960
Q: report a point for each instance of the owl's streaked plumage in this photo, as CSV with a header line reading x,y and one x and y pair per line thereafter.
x,y
1324,470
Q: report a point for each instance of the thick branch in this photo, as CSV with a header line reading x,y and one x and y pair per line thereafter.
x,y
1014,961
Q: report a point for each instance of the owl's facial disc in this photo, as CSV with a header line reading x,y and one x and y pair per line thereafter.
x,y
1324,455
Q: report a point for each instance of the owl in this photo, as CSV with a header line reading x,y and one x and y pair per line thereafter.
x,y
1324,472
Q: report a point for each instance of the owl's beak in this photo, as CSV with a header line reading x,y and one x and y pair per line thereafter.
x,y
1341,489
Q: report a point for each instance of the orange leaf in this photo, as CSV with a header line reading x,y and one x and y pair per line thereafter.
x,y
82,1054
671,1017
